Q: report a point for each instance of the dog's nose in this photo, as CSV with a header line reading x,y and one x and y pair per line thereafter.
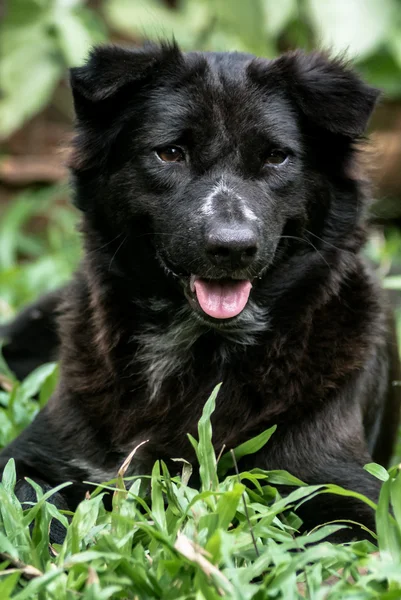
x,y
233,247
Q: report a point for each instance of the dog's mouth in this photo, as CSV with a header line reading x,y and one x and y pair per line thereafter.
x,y
219,298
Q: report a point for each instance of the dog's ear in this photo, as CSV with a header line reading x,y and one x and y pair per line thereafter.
x,y
327,91
109,69
104,88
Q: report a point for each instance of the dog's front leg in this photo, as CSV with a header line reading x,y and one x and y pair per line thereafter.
x,y
323,451
41,454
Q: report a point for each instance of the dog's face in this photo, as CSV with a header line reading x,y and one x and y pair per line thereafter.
x,y
227,161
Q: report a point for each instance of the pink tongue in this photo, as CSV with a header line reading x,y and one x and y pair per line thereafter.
x,y
221,299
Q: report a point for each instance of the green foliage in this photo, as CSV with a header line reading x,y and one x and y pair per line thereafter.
x,y
250,447
19,406
39,39
32,263
357,26
368,31
226,540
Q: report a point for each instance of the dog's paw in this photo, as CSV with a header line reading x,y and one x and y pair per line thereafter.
x,y
26,494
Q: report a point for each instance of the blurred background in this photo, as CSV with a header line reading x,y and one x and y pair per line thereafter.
x,y
41,39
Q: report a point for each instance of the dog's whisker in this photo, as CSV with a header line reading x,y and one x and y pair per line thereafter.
x,y
116,252
158,233
95,250
322,240
306,241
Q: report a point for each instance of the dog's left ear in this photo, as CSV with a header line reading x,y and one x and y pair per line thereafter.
x,y
327,91
110,69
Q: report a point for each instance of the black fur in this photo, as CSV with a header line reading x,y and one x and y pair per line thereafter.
x,y
311,351
32,338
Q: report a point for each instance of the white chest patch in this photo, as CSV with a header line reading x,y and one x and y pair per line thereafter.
x,y
163,353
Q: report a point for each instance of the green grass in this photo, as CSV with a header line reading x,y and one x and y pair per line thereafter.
x,y
163,538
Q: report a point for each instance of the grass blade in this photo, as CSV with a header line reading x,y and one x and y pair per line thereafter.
x,y
205,451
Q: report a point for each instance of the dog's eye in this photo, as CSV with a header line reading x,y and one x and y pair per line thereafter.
x,y
171,154
276,157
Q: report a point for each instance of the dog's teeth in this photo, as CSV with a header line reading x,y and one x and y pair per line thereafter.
x,y
192,283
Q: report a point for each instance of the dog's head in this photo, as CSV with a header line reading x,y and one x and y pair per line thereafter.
x,y
223,164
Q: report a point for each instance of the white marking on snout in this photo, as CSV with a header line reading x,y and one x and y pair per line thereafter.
x,y
248,212
208,208
220,188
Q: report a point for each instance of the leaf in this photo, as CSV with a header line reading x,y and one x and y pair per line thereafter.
x,y
7,430
339,491
16,215
84,520
9,477
11,520
95,592
318,534
249,447
278,14
186,468
56,514
38,585
8,585
377,471
145,18
73,36
302,493
7,547
4,368
392,282
244,17
38,39
196,555
25,93
227,505
389,539
395,495
42,498
205,451
283,478
35,380
48,386
394,43
357,27
194,442
158,510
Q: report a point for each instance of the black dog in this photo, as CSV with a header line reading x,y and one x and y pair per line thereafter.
x,y
223,218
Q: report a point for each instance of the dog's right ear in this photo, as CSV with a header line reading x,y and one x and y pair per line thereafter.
x,y
327,91
109,69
